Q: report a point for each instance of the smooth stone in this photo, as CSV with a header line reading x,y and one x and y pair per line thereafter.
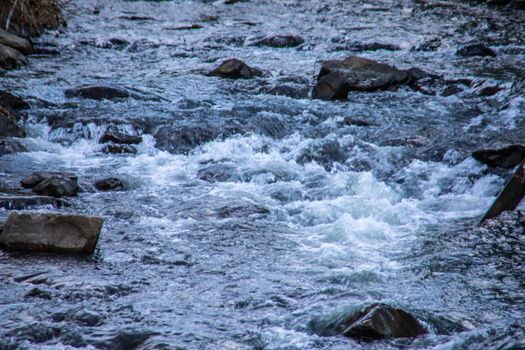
x,y
57,187
12,102
120,138
11,58
97,92
37,177
280,41
476,50
51,232
109,184
235,69
9,125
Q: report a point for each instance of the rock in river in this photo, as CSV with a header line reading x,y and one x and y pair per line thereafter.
x,y
235,69
338,77
476,50
280,41
120,137
9,145
108,184
377,321
12,102
51,232
9,126
11,58
54,184
16,42
119,149
97,92
507,157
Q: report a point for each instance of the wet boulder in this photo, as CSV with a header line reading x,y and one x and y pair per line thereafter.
x,y
16,42
119,149
507,157
280,41
235,69
109,184
9,125
11,58
54,184
51,232
120,138
9,146
324,152
380,321
476,50
12,102
338,77
182,139
97,92
375,322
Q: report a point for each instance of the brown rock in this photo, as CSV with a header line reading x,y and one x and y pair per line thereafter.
x,y
51,232
9,126
16,42
506,157
235,69
11,58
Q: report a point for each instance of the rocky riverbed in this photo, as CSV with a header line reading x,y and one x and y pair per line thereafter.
x,y
271,175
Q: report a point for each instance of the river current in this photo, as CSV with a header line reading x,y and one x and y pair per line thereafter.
x,y
313,213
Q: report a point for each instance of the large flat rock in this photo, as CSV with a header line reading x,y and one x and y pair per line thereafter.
x,y
51,232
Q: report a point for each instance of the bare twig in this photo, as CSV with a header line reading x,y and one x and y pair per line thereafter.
x,y
10,15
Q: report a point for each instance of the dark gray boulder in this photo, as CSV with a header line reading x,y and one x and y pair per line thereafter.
x,y
217,173
182,139
109,184
97,92
51,232
120,138
338,77
375,322
11,58
9,125
12,102
57,187
37,177
506,157
286,40
476,50
235,69
16,42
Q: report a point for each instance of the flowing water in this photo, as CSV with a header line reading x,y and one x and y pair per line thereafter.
x,y
311,218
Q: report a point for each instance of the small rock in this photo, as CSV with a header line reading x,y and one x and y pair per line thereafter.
x,y
12,102
451,90
57,187
119,149
8,146
280,41
287,90
373,46
120,138
182,139
429,45
336,78
188,27
476,50
9,126
507,157
355,122
137,18
234,68
37,177
490,90
97,92
108,184
51,232
217,173
16,42
11,58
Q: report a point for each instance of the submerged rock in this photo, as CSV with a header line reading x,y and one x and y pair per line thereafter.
x,y
97,92
182,139
511,195
476,50
235,69
8,146
377,321
108,184
54,184
507,157
217,173
338,77
9,126
11,58
25,202
16,42
119,149
51,232
120,137
12,102
324,152
286,40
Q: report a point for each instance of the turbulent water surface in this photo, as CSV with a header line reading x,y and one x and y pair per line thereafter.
x,y
311,215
